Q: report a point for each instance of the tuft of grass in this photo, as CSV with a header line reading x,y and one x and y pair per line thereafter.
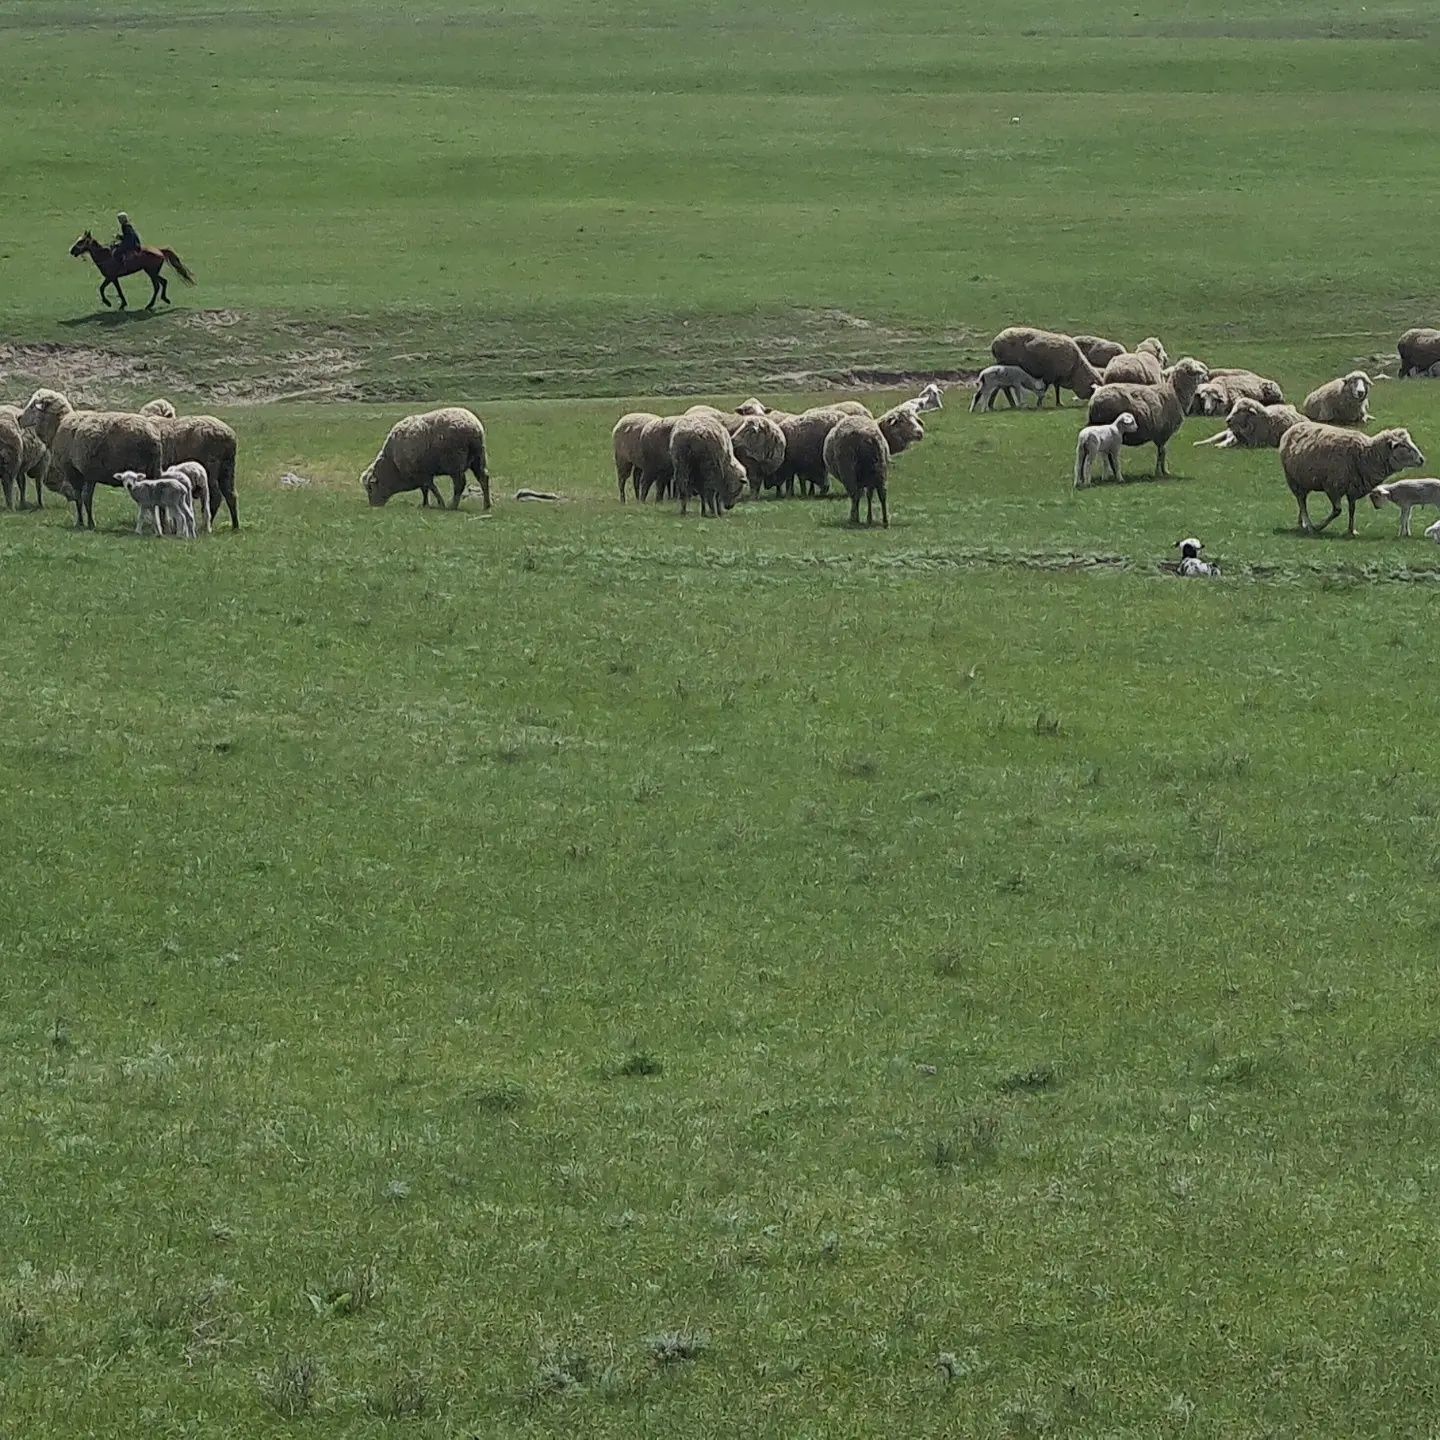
x,y
348,1293
499,1096
638,1064
1040,1076
404,1396
675,1347
21,1330
291,1387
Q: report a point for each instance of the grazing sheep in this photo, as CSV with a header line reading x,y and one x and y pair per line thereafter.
x,y
857,455
1152,347
90,447
1133,368
1192,567
1048,356
760,447
1407,494
901,427
1159,410
702,457
168,495
1419,350
751,407
1102,442
805,449
1007,380
625,440
34,459
1098,351
1340,402
211,443
851,407
12,458
656,471
420,447
1253,426
158,410
193,473
1342,464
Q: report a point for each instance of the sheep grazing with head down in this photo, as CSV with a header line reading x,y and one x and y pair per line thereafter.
x,y
12,458
90,447
34,459
1159,410
1253,426
804,463
1145,365
193,473
210,443
702,457
751,407
1419,351
1340,402
1009,381
858,456
1099,351
449,442
1342,465
760,447
1048,356
625,441
655,471
158,410
1102,442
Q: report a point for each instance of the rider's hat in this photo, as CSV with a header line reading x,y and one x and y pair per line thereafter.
x,y
123,218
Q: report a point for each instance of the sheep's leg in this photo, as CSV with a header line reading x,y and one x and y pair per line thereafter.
x,y
1334,511
1350,501
884,511
89,499
139,519
9,486
1057,396
1405,521
1114,458
855,508
484,480
975,402
1081,476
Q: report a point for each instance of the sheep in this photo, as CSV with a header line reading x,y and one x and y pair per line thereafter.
x,y
1098,351
211,443
169,494
857,455
1253,426
1159,410
1191,566
158,410
1102,442
702,457
12,458
1407,494
901,427
759,445
805,449
90,447
751,407
625,441
1419,350
449,442
932,397
1432,532
1048,356
1340,402
1217,396
1133,368
1341,463
851,407
656,471
195,476
1008,380
34,459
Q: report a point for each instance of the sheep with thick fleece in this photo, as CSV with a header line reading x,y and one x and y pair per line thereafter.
x,y
158,410
702,457
1340,402
1217,396
1006,380
1253,426
1159,410
1048,356
213,444
1099,351
12,458
751,406
90,447
1407,495
450,441
1419,350
1341,464
759,445
625,441
656,471
1102,442
34,460
194,474
804,463
1135,367
901,427
857,455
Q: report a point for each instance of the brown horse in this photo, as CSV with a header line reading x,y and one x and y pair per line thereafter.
x,y
113,265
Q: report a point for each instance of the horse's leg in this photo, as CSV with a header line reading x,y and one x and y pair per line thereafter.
x,y
104,286
124,303
154,288
162,285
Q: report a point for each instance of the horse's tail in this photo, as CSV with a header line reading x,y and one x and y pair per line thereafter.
x,y
178,266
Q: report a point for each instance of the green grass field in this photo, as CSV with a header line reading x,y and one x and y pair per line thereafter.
x,y
580,971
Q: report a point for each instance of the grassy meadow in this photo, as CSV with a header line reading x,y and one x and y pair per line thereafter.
x,y
582,971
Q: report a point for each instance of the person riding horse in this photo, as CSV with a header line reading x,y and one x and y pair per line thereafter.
x,y
128,238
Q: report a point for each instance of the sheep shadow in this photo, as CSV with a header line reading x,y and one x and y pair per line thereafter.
x,y
1337,532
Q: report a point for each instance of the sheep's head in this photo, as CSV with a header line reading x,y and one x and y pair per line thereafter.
x,y
375,492
1186,376
43,413
930,398
1432,532
1151,346
750,407
1210,398
1401,452
129,479
1357,384
1245,414
761,442
1126,423
158,410
1189,548
901,427
1379,495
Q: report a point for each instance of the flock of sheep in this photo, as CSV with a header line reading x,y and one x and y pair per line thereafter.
x,y
179,469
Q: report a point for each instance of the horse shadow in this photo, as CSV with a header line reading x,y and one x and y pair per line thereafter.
x,y
113,319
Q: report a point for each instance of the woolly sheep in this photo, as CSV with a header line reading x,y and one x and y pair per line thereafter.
x,y
449,442
1048,356
750,407
194,474
1419,350
211,443
804,462
1007,380
656,471
165,501
1217,396
34,459
857,455
1152,347
1342,464
1407,495
1253,426
1159,410
702,457
625,440
90,447
158,410
1340,402
1102,442
1137,367
852,407
759,445
12,458
901,427
1099,351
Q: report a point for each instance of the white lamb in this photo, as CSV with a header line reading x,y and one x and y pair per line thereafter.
x,y
1009,379
930,398
170,495
1407,494
1102,441
195,475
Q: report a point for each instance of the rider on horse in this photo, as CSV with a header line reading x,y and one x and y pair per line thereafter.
x,y
128,238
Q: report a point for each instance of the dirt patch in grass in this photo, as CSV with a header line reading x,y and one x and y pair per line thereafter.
x,y
88,376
